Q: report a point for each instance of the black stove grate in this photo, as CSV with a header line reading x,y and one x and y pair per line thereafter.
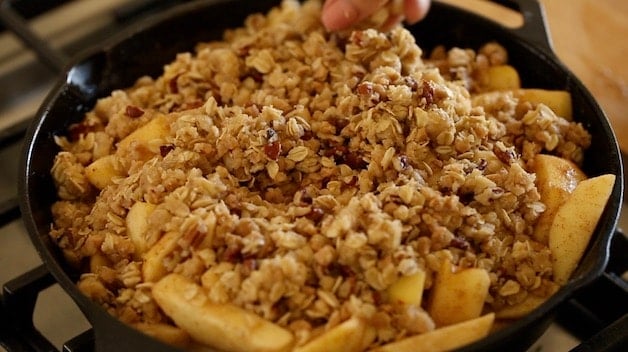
x,y
597,315
9,211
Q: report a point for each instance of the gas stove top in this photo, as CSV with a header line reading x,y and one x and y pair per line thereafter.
x,y
38,38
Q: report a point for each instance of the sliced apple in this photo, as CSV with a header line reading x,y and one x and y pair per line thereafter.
x,y
557,100
101,172
457,296
556,178
155,129
137,225
575,222
169,334
444,339
352,335
408,289
222,326
153,268
502,77
97,261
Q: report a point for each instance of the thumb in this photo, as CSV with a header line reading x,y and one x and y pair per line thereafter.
x,y
340,14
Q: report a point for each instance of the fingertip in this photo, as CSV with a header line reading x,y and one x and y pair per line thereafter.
x,y
338,15
391,22
416,10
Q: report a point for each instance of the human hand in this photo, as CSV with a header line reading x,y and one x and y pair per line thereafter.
x,y
340,14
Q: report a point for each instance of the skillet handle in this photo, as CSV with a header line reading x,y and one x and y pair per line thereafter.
x,y
535,28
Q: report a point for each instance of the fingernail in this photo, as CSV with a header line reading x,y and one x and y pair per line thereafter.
x,y
339,15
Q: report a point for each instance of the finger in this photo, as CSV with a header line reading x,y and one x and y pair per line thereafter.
x,y
415,10
340,14
391,22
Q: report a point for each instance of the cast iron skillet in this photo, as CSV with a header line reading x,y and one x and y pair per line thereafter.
x,y
151,44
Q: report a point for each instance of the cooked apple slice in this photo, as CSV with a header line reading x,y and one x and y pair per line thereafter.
x,y
502,77
352,335
97,261
575,222
153,268
457,296
101,172
137,225
408,289
557,100
169,334
444,339
157,128
223,326
556,178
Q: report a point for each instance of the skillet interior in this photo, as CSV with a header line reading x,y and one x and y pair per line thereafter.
x,y
149,46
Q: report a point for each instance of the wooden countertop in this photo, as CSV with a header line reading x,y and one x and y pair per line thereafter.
x,y
591,38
